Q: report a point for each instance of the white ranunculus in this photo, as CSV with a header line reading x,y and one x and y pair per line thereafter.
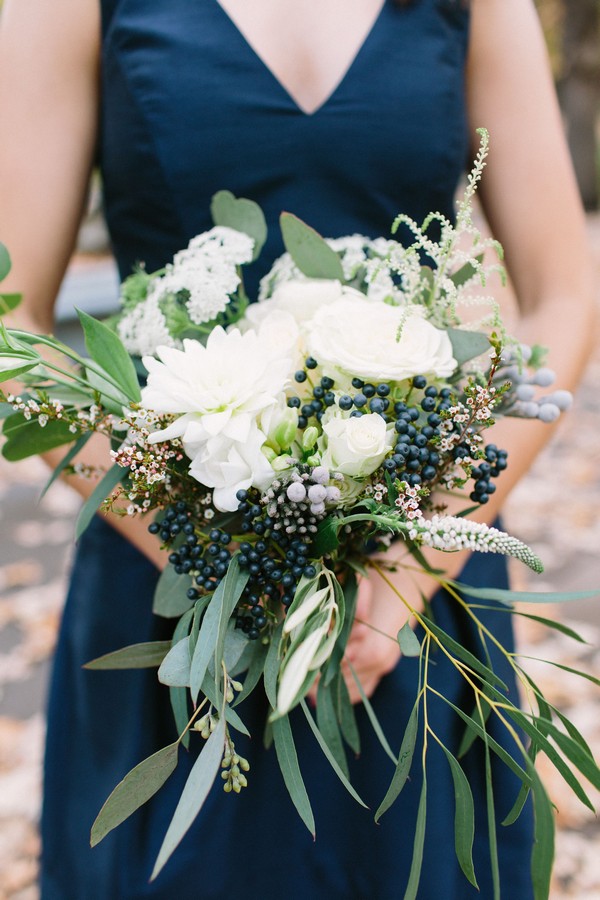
x,y
356,446
218,392
359,338
228,466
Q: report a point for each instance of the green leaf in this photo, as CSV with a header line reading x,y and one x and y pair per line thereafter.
x,y
346,713
326,538
136,789
329,755
310,252
27,438
542,856
232,587
175,667
409,642
106,484
373,717
522,796
467,345
8,302
170,597
136,656
464,817
108,352
577,754
412,886
328,726
231,717
568,669
466,272
211,638
405,758
288,763
66,461
179,696
470,735
111,397
506,596
350,592
242,215
195,792
491,818
272,666
5,263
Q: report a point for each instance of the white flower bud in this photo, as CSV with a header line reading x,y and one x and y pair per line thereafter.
x,y
296,492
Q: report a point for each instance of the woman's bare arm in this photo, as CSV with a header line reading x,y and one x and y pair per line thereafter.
x,y
49,58
532,204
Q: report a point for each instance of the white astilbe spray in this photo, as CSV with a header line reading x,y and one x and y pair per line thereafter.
x,y
451,533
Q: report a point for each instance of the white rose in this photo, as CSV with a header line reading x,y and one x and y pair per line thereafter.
x,y
301,299
359,337
356,446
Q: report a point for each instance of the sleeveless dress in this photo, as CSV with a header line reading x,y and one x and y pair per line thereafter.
x,y
188,108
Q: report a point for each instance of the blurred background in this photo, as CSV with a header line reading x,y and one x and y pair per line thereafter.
x,y
554,509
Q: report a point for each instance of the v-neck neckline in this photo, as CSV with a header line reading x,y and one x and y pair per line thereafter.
x,y
339,84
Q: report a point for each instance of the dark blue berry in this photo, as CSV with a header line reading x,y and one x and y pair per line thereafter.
x,y
419,381
310,362
300,376
360,399
345,402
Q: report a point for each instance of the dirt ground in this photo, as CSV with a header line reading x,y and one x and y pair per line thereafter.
x,y
554,509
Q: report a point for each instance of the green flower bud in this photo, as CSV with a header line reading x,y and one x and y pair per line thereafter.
x,y
285,432
227,787
280,463
269,453
310,436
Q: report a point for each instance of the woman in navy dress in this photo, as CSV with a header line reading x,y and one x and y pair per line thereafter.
x,y
345,113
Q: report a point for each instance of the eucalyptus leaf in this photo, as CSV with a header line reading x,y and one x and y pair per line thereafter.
x,y
405,758
175,667
373,718
409,642
136,789
346,714
170,596
329,727
106,484
510,597
231,717
179,696
272,666
195,792
464,817
136,656
466,272
465,655
232,586
542,856
254,673
108,352
412,886
310,252
288,763
332,762
491,818
467,345
242,215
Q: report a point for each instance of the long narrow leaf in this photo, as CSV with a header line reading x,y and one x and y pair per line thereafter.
x,y
542,856
136,656
179,696
464,817
329,755
136,788
405,758
346,714
195,792
100,493
412,886
491,819
329,727
465,655
288,762
510,597
272,666
373,718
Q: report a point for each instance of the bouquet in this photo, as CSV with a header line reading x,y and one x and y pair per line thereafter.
x,y
282,446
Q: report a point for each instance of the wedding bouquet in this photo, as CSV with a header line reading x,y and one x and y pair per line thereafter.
x,y
283,445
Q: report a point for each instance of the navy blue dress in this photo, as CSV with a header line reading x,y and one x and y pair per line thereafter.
x,y
188,108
